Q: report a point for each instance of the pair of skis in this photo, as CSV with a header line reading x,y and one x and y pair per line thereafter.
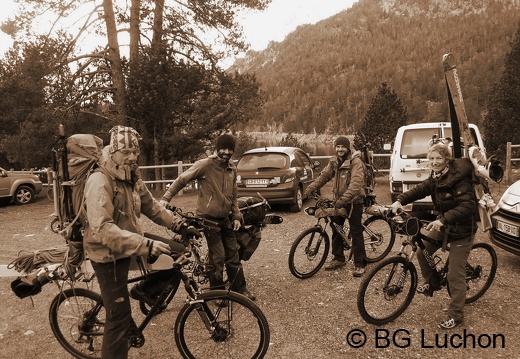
x,y
486,169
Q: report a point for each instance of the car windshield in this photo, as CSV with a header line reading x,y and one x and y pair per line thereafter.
x,y
258,161
415,142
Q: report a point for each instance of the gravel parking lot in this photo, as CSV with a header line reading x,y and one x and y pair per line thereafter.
x,y
312,318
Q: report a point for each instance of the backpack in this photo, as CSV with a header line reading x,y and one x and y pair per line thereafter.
x,y
253,210
74,159
370,177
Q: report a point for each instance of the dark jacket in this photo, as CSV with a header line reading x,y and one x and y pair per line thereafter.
x,y
349,178
453,197
217,183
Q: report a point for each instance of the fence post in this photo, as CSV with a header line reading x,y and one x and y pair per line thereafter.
x,y
508,163
179,171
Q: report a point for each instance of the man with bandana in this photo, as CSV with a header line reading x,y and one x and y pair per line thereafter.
x,y
115,197
348,172
217,201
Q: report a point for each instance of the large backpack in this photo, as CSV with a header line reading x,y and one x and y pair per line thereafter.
x,y
74,159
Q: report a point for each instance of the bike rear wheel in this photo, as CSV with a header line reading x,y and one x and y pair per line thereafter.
x,y
379,238
387,290
77,319
481,268
309,252
222,324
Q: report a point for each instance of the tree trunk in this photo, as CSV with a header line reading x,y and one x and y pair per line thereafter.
x,y
114,57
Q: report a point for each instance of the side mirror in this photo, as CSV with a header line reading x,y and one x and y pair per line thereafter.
x,y
387,147
316,164
3,173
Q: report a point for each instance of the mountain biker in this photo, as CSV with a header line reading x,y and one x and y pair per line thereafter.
x,y
115,197
451,187
217,201
348,172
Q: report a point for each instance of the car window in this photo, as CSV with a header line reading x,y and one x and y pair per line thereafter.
x,y
304,159
255,161
415,142
297,162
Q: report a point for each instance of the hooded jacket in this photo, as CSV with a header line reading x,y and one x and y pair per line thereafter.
x,y
217,182
114,204
453,197
349,178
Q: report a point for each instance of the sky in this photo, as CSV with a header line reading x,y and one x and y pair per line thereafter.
x,y
272,24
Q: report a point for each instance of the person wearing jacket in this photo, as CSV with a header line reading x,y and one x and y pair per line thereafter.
x,y
451,187
115,197
348,172
217,201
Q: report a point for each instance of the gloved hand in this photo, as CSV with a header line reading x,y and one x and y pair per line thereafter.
x,y
340,203
188,232
396,206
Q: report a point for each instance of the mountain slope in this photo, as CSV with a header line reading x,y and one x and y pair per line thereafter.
x,y
322,77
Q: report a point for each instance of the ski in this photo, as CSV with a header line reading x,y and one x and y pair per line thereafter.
x,y
486,169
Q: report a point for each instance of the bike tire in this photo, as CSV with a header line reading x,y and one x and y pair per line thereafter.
x,y
380,298
309,252
379,238
77,318
238,329
481,268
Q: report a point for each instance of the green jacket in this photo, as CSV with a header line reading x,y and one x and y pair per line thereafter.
x,y
349,178
217,186
113,209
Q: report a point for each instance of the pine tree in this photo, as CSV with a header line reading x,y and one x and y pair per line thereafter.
x,y
382,120
502,120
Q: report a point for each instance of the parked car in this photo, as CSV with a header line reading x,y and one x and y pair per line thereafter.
x,y
279,174
19,187
506,220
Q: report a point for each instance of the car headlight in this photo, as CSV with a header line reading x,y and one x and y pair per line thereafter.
x,y
509,200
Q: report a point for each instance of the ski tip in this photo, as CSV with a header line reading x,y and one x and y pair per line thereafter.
x,y
449,62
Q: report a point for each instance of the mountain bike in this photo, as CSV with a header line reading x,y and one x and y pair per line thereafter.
x,y
310,249
388,289
211,324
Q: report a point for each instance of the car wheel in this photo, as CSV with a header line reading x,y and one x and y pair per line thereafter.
x,y
24,195
297,204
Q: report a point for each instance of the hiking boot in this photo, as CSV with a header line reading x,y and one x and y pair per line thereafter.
x,y
449,323
248,294
137,294
425,289
335,264
358,271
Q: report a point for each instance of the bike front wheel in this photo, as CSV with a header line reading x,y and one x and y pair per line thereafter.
x,y
387,290
77,319
379,238
222,324
481,268
309,252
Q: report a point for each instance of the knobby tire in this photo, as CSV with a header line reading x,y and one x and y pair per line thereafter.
x,y
238,328
380,299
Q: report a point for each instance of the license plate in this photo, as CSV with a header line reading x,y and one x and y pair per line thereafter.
x,y
508,229
257,182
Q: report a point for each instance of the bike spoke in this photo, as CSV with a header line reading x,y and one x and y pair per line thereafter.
x,y
386,292
480,271
235,331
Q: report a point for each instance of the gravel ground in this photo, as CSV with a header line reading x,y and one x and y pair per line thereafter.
x,y
312,318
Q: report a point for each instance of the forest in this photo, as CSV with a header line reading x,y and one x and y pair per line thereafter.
x,y
322,77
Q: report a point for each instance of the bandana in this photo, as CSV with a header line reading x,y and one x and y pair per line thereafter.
x,y
122,138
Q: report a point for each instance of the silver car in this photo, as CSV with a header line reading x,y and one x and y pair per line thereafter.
x,y
19,187
506,220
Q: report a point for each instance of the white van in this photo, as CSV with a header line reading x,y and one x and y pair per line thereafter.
x,y
408,163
